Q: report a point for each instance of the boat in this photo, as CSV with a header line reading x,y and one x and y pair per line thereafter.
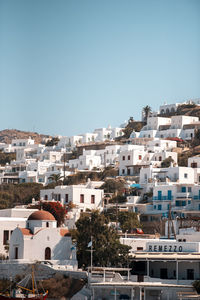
x,y
22,292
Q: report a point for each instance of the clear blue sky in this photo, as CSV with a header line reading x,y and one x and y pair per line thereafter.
x,y
70,66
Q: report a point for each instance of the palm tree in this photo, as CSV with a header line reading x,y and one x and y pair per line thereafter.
x,y
146,112
55,178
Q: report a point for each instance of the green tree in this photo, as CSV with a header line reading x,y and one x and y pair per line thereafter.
x,y
113,186
18,194
196,285
53,142
108,251
109,172
166,163
6,157
128,221
55,178
146,111
196,140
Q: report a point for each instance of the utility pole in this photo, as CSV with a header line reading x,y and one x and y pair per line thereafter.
x,y
91,255
64,164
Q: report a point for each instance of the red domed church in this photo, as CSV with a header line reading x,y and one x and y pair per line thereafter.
x,y
42,240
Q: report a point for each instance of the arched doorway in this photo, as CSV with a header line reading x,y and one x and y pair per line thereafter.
x,y
47,253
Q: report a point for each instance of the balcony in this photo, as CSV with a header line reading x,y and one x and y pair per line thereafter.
x,y
163,198
184,195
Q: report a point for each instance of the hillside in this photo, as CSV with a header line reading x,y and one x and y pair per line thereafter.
x,y
7,135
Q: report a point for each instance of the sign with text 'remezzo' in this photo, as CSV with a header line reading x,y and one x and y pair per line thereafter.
x,y
172,247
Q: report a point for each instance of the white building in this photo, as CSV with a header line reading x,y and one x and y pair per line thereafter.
x,y
22,142
87,161
150,176
41,239
177,127
81,196
169,108
129,156
9,220
153,123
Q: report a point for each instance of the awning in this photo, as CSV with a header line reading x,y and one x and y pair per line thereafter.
x,y
135,185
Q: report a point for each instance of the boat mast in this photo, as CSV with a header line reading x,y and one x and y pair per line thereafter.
x,y
33,283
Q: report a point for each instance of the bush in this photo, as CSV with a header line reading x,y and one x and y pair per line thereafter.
x,y
166,163
18,194
6,157
196,285
112,186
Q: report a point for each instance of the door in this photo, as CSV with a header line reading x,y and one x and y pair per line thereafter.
x,y
16,252
159,195
163,273
47,253
169,195
190,274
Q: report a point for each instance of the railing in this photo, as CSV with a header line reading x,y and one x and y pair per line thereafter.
x,y
165,198
184,195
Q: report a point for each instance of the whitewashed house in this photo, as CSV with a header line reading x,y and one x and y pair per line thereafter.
x,y
41,240
9,220
87,161
82,196
130,156
89,137
103,134
157,145
153,123
177,127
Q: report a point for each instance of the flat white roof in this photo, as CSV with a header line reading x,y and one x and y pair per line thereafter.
x,y
138,284
166,256
12,219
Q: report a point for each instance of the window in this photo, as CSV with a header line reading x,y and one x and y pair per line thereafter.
x,y
123,171
5,237
193,165
81,198
129,157
16,252
139,248
66,198
92,199
45,197
140,157
189,189
47,224
159,207
128,172
185,175
190,274
123,157
160,158
183,189
59,197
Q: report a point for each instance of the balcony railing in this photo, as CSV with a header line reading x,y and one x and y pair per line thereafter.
x,y
163,198
184,195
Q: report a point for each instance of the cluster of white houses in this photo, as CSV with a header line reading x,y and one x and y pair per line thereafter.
x,y
162,268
